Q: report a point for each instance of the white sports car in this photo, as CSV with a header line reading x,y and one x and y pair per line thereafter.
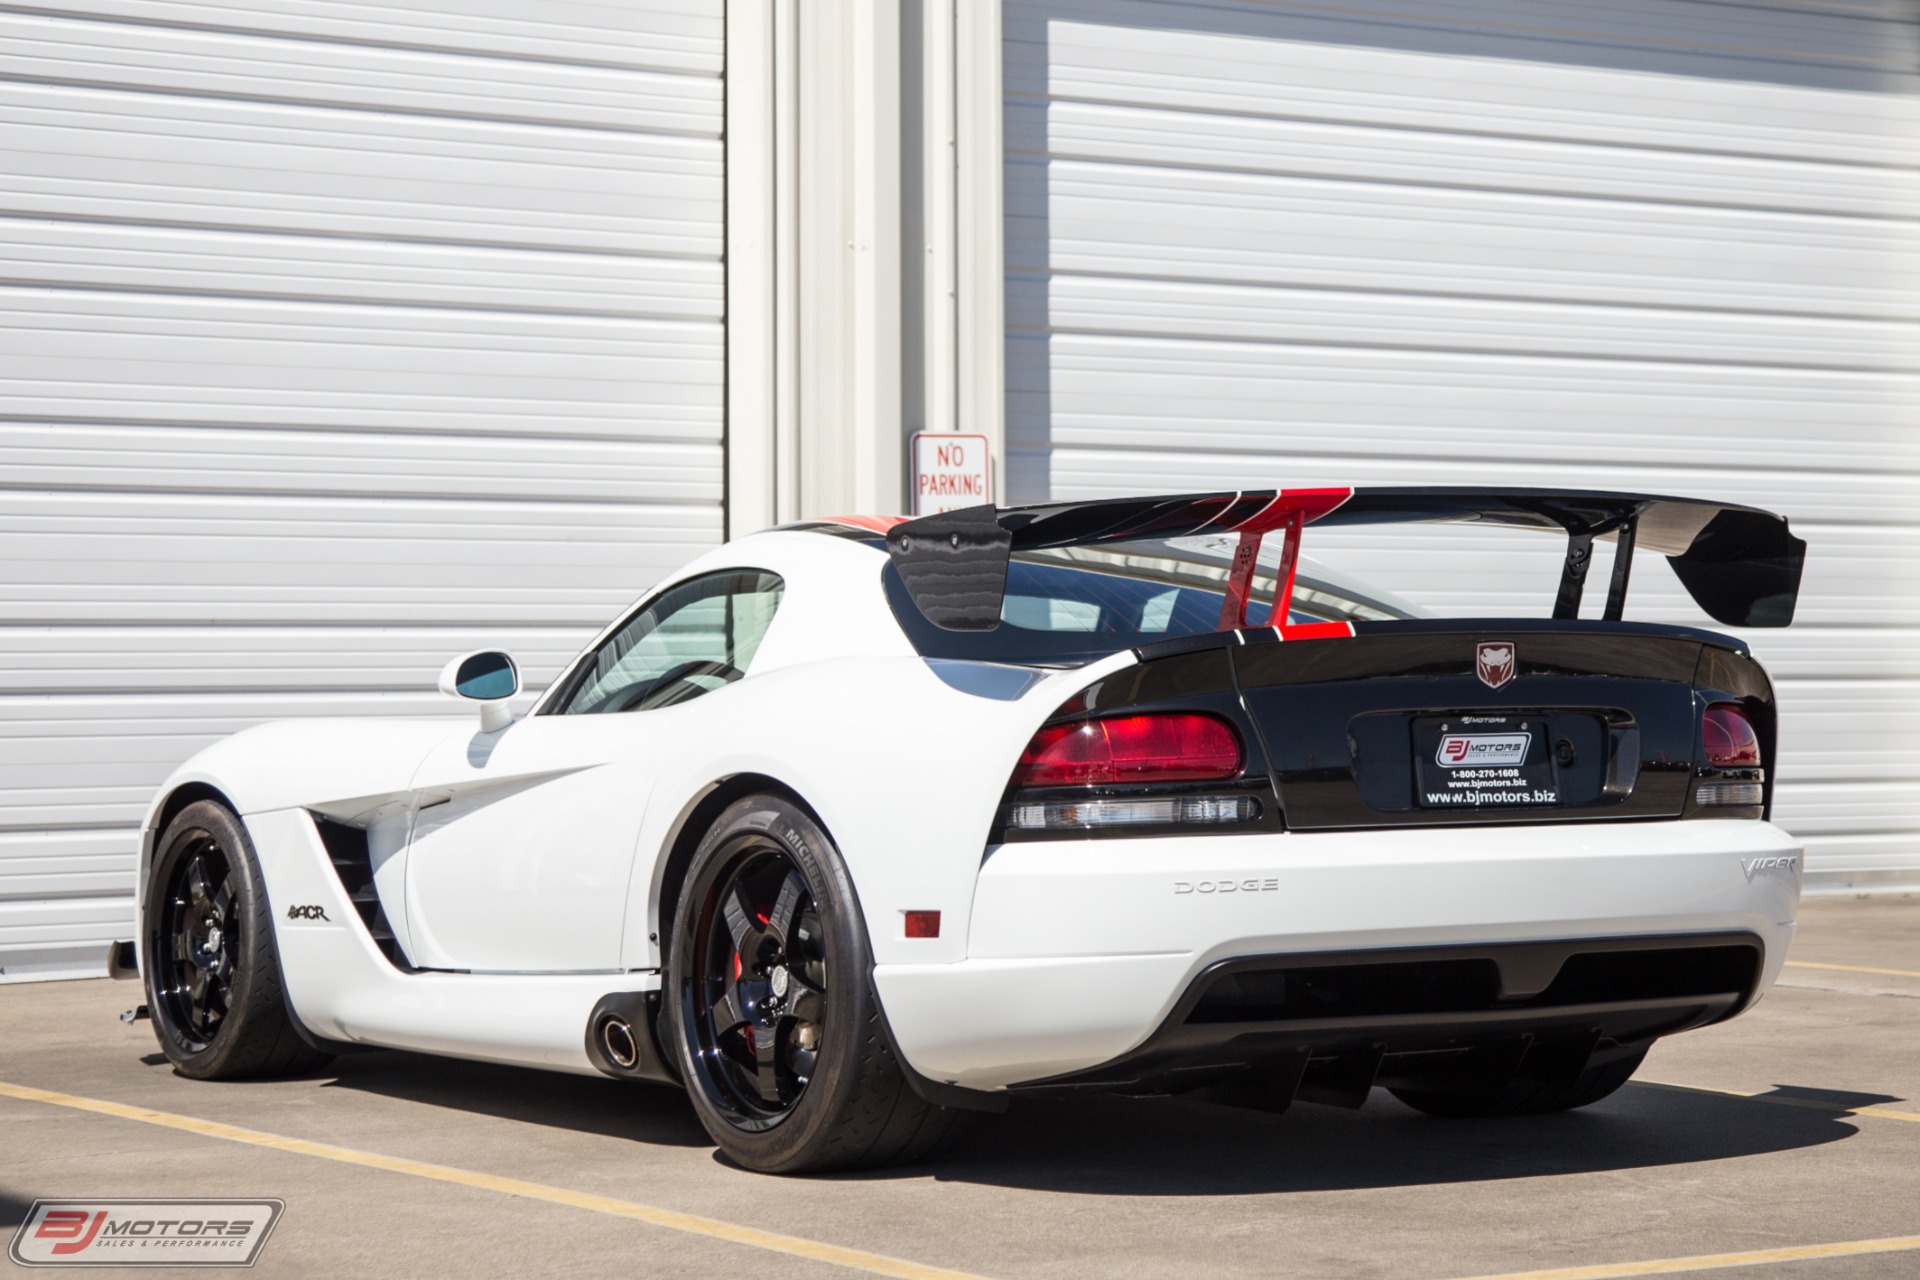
x,y
854,825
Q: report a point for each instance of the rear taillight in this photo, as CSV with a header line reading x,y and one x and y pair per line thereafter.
x,y
1138,755
1163,747
1728,738
1730,772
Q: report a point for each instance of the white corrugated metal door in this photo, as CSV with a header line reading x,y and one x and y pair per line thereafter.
x,y
335,339
1656,245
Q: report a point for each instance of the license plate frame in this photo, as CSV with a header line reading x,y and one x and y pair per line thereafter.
x,y
1469,762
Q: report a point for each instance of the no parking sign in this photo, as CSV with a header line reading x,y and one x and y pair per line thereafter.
x,y
950,471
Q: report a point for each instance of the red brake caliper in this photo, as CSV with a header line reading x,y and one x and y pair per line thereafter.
x,y
746,1030
764,915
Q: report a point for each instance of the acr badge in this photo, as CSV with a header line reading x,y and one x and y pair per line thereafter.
x,y
1493,662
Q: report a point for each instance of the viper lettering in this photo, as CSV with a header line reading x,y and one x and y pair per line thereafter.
x,y
1755,866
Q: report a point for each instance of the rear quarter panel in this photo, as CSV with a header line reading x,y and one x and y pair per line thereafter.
x,y
903,760
904,770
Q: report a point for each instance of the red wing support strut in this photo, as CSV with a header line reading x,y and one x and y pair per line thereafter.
x,y
1233,609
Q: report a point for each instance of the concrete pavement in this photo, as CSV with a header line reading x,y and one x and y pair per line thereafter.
x,y
1086,1187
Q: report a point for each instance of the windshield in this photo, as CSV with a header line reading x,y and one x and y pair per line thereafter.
x,y
1075,604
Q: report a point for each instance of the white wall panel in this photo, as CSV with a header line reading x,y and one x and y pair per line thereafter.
x,y
1656,245
178,358
183,558
256,460
75,152
135,660
293,266
335,339
669,35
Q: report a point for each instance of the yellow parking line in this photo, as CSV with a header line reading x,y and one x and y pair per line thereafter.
x,y
1714,1261
1855,968
1810,1104
855,1259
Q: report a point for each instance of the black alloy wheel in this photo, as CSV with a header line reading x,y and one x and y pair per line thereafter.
x,y
760,1003
200,932
209,956
771,1014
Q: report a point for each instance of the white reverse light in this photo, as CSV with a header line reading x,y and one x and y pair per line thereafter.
x,y
1741,795
1062,815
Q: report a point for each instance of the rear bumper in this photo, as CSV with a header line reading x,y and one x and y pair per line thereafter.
x,y
1080,953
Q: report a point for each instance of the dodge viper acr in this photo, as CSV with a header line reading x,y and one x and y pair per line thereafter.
x,y
853,826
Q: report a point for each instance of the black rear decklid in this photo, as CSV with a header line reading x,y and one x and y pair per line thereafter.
x,y
1425,722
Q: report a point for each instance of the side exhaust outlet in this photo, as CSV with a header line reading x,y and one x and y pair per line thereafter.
x,y
616,1037
620,1039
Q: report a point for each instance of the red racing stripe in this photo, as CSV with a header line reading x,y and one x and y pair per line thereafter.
x,y
1309,504
1314,630
1315,503
872,524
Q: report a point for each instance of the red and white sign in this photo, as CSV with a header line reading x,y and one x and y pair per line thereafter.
x,y
950,471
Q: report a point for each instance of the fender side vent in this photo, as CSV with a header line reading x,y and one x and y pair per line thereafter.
x,y
353,864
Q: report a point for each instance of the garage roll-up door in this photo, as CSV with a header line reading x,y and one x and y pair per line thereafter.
x,y
1656,245
335,339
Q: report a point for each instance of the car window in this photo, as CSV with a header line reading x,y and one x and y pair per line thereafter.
x,y
1075,604
689,640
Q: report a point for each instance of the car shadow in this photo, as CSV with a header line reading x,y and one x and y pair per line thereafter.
x,y
636,1112
1820,1099
1110,1146
1114,1146
13,1210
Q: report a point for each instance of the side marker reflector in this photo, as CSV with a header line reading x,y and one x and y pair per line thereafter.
x,y
923,924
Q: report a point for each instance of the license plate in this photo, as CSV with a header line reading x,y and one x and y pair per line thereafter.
x,y
1475,762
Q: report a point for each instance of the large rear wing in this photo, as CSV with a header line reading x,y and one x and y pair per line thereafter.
x,y
1740,564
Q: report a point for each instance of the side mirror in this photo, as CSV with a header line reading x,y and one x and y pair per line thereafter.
x,y
488,677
